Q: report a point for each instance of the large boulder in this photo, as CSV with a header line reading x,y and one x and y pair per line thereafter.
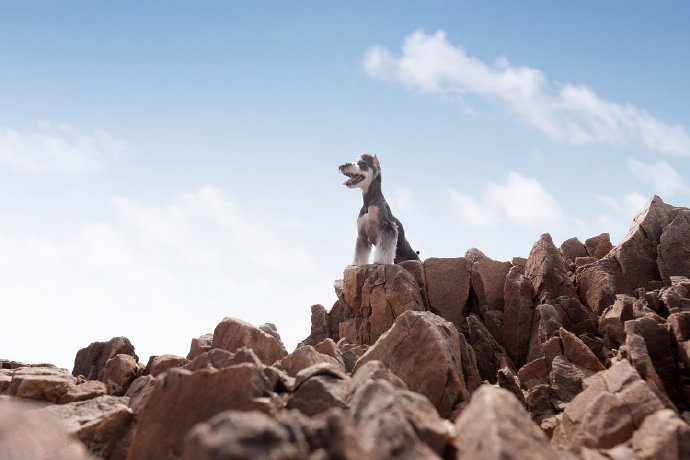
x,y
662,436
231,334
674,248
517,315
448,287
41,383
488,278
319,388
119,372
547,272
91,360
304,357
425,351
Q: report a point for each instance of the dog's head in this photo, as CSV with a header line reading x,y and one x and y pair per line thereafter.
x,y
361,172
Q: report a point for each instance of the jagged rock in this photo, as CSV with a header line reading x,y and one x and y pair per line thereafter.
x,y
662,436
674,248
448,287
118,373
672,299
547,272
539,402
232,334
377,294
28,434
546,324
423,340
82,391
552,348
216,358
246,436
633,263
517,316
181,399
565,379
41,383
416,269
679,325
573,248
139,392
490,355
604,415
319,388
598,246
374,370
99,423
271,329
304,357
495,426
330,348
387,421
91,360
159,364
612,321
509,381
638,355
533,373
576,317
200,345
319,326
488,278
332,435
578,353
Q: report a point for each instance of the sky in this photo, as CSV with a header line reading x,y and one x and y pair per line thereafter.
x,y
164,165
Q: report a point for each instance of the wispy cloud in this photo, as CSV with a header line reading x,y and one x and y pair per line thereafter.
x,y
567,113
57,149
665,180
520,200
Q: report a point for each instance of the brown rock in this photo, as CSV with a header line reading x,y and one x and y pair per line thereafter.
x,y
533,373
576,317
82,391
246,435
181,399
139,392
232,334
578,353
319,388
611,324
517,316
495,426
377,294
487,280
539,402
200,345
422,340
509,381
28,434
604,415
639,357
448,287
272,330
679,325
598,246
490,355
99,423
159,364
547,272
416,269
330,348
304,357
118,373
674,248
319,326
374,370
91,360
216,358
565,379
662,436
546,324
42,383
573,248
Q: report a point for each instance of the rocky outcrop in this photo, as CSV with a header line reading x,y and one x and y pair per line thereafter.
x,y
90,361
231,334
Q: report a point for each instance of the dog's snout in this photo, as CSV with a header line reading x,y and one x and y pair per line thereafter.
x,y
341,167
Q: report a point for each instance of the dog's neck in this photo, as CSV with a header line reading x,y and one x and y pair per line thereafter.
x,y
373,193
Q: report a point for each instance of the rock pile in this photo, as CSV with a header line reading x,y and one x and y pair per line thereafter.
x,y
581,351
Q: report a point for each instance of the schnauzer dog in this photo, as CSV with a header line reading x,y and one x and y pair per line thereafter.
x,y
376,224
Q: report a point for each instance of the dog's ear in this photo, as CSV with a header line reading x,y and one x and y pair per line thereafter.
x,y
377,164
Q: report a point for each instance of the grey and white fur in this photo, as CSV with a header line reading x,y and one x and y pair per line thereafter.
x,y
376,224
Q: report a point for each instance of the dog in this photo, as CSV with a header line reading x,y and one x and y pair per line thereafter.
x,y
376,224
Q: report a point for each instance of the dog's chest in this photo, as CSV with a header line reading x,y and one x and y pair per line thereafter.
x,y
368,224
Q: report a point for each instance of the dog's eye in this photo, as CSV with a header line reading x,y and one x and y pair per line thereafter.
x,y
362,165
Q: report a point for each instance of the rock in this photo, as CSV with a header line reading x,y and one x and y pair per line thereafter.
x,y
99,423
118,373
82,391
495,426
578,353
330,348
28,434
565,379
679,325
271,329
332,435
598,246
604,415
422,340
159,364
318,389
246,435
575,317
573,248
416,269
377,294
639,357
674,248
488,278
533,373
517,316
200,345
181,399
662,436
374,370
319,326
539,399
216,358
490,355
670,299
41,383
611,324
547,272
546,324
304,357
139,392
448,287
232,334
91,360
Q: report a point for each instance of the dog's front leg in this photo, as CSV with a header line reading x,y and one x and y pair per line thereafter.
x,y
386,245
362,251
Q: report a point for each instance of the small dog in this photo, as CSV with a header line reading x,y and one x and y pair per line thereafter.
x,y
376,224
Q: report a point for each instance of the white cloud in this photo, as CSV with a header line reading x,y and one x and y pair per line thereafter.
x,y
519,200
159,275
665,180
567,113
56,148
617,214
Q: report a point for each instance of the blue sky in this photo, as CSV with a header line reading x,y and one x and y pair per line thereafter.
x,y
164,165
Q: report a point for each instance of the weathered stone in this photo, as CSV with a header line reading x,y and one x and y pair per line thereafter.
x,y
517,316
82,391
662,436
118,373
573,248
509,381
539,402
159,364
576,317
272,330
246,436
99,423
669,299
139,392
232,334
578,353
639,357
552,348
598,246
533,373
546,324
547,272
679,325
488,279
200,345
422,340
674,248
181,399
490,355
416,269
91,360
448,287
566,379
41,383
304,357
29,434
319,326
374,370
330,348
495,426
612,322
216,358
319,388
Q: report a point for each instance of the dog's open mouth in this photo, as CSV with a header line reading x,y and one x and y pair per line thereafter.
x,y
354,179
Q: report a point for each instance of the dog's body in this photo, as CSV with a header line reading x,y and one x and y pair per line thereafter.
x,y
376,224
